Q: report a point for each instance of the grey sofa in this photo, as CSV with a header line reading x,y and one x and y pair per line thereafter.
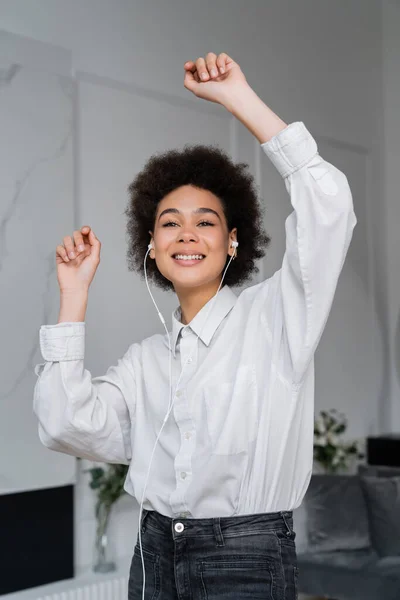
x,y
348,535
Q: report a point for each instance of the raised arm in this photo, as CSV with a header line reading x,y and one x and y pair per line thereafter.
x,y
318,235
80,415
299,297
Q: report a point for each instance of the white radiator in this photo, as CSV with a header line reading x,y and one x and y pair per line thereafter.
x,y
113,589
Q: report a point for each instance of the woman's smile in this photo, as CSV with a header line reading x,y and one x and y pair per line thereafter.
x,y
188,260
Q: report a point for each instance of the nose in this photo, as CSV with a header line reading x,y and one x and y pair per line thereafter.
x,y
187,235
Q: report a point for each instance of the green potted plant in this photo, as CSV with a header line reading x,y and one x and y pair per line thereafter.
x,y
330,451
108,483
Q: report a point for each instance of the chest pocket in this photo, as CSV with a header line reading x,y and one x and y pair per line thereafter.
x,y
232,412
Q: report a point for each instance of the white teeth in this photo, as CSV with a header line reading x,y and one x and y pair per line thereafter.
x,y
189,257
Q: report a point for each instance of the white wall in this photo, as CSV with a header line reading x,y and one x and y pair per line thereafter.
x,y
317,61
391,200
37,188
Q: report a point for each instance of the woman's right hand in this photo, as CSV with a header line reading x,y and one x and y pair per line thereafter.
x,y
75,274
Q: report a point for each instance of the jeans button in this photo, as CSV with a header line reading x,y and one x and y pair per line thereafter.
x,y
179,527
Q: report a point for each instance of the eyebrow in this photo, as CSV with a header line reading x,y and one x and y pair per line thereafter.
x,y
198,211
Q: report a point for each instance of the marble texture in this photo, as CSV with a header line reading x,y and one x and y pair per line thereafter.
x,y
36,208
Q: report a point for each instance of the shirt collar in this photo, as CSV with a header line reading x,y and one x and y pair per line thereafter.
x,y
223,303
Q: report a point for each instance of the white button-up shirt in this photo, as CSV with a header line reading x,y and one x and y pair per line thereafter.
x,y
239,438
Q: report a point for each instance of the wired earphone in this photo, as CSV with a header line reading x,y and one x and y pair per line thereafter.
x,y
234,245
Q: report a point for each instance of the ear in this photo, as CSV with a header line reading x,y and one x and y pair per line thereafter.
x,y
232,238
151,253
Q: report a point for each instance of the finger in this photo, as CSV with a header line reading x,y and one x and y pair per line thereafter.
x,y
202,69
60,251
190,80
212,64
79,244
95,244
222,61
191,72
69,246
85,230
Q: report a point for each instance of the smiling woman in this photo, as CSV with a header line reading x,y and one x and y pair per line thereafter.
x,y
235,457
187,255
181,237
202,179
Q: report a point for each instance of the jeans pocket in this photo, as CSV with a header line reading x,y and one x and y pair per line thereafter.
x,y
233,576
152,575
289,564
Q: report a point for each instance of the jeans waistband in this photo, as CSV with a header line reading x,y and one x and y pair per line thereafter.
x,y
219,527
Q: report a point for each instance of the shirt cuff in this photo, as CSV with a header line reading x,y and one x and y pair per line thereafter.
x,y
64,341
291,148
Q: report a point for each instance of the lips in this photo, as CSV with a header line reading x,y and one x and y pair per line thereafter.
x,y
186,256
188,259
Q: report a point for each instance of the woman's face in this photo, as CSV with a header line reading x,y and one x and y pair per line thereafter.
x,y
190,222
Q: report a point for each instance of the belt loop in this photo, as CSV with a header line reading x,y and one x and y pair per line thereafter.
x,y
145,512
289,531
219,538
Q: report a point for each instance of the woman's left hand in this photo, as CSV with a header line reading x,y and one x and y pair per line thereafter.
x,y
214,78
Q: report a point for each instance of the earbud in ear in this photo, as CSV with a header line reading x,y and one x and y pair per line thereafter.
x,y
150,246
234,244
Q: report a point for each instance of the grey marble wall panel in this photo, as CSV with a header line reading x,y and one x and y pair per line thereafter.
x,y
36,211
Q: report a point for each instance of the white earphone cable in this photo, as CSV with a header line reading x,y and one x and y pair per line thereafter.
x,y
170,401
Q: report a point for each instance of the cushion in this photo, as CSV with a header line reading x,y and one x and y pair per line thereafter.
x,y
337,517
378,470
389,563
354,559
356,575
383,504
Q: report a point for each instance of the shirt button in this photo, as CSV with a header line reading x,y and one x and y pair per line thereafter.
x,y
188,435
184,515
179,527
183,475
189,360
178,393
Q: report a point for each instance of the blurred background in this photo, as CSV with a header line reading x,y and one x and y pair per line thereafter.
x,y
89,90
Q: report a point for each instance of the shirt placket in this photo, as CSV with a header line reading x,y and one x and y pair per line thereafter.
x,y
188,347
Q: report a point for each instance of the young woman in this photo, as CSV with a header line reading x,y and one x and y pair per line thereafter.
x,y
234,456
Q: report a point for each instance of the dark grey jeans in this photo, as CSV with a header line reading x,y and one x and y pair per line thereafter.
x,y
250,557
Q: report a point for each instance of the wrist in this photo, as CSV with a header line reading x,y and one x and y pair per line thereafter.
x,y
74,292
250,110
238,98
73,305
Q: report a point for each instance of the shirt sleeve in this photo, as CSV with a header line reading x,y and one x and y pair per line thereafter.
x,y
318,235
80,415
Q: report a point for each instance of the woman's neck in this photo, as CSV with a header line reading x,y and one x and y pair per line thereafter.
x,y
192,300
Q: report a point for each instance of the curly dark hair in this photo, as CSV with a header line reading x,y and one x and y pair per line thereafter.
x,y
204,167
